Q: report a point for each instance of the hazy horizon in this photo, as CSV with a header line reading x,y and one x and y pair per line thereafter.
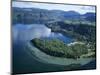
x,y
77,8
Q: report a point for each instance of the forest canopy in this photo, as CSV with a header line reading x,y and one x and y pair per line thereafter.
x,y
57,48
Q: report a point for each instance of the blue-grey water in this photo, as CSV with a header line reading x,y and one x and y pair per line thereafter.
x,y
29,32
23,62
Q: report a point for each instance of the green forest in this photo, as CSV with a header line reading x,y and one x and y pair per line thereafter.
x,y
57,48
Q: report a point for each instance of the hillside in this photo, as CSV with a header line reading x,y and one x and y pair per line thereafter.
x,y
36,15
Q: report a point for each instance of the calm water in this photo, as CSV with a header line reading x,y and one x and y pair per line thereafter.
x,y
23,62
29,32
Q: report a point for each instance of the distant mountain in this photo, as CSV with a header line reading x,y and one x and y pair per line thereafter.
x,y
36,15
71,15
90,16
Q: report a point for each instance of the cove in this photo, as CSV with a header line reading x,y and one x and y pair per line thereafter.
x,y
26,57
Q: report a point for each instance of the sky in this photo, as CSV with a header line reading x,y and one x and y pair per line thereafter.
x,y
78,8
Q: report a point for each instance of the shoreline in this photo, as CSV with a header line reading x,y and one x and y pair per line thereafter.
x,y
56,60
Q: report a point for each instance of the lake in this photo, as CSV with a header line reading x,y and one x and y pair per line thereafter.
x,y
29,32
25,58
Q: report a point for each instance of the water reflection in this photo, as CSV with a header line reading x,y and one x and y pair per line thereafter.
x,y
28,32
22,61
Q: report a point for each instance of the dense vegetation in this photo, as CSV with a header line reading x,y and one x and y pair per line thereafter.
x,y
82,31
57,48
